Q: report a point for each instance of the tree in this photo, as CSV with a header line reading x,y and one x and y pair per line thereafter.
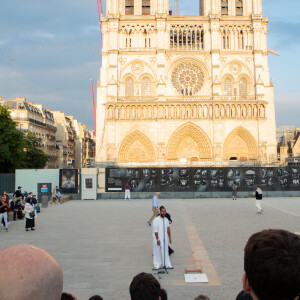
x,y
35,157
11,143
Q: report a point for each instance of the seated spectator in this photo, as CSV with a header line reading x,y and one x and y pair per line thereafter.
x,y
144,287
96,297
29,273
66,296
272,265
19,209
244,296
163,294
201,297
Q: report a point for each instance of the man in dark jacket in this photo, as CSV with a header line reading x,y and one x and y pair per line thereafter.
x,y
18,192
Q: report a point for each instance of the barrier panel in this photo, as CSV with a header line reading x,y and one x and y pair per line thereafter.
x,y
202,179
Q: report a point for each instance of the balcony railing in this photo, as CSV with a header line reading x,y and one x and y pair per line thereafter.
x,y
135,99
188,98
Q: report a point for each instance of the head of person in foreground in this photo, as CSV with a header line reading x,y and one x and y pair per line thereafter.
x,y
144,286
272,265
32,272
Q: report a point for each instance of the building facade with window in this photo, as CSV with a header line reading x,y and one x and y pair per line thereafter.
x,y
177,88
35,118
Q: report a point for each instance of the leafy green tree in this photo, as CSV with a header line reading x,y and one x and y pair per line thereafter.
x,y
35,157
11,143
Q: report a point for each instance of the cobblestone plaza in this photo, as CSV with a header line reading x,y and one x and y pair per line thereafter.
x,y
102,245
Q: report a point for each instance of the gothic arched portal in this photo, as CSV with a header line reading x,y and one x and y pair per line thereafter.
x,y
189,142
136,147
241,145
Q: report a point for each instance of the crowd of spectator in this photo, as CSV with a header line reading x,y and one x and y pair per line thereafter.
x,y
271,265
22,205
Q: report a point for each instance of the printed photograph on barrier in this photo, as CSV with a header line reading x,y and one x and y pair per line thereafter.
x,y
68,181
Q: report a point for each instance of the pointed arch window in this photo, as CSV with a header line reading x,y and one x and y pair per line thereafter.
x,y
129,87
129,7
227,87
146,7
146,86
243,87
239,7
224,7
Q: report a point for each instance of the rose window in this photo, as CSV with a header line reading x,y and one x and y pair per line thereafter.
x,y
187,79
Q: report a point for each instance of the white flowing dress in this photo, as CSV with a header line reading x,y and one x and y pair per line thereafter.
x,y
161,256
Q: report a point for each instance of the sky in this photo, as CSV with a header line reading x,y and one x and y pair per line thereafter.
x,y
49,50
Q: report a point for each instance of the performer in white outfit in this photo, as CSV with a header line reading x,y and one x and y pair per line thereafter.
x,y
161,233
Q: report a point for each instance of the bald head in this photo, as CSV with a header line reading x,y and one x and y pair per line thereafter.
x,y
32,273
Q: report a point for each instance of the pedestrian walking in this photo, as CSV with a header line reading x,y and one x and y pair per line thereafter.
x,y
258,196
234,191
155,208
3,212
29,215
127,191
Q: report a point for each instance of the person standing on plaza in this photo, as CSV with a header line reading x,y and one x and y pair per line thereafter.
x,y
258,196
155,206
29,214
3,212
35,203
161,234
13,207
234,191
6,199
127,191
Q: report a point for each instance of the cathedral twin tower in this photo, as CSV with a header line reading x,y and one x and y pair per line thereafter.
x,y
177,88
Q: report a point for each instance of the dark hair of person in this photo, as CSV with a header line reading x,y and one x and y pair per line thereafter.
x,y
96,297
144,287
163,294
66,296
201,297
272,264
162,207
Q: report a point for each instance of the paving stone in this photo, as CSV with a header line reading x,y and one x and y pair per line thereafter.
x,y
102,245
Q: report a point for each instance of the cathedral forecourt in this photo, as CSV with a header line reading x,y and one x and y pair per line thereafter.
x,y
179,88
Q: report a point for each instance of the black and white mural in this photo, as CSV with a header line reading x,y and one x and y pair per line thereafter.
x,y
202,179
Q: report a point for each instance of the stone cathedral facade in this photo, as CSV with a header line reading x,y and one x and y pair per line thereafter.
x,y
177,88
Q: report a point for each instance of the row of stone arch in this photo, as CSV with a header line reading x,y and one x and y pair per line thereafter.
x,y
191,142
185,111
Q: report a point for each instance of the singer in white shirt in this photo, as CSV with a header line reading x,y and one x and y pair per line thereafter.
x,y
161,234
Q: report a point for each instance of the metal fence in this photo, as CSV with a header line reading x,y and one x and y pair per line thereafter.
x,y
7,183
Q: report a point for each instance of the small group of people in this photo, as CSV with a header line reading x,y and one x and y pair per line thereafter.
x,y
21,205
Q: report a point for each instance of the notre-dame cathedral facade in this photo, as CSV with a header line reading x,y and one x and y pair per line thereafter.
x,y
177,88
